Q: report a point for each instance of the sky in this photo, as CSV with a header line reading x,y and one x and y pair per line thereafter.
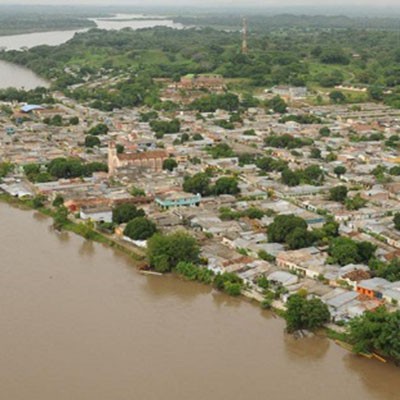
x,y
205,3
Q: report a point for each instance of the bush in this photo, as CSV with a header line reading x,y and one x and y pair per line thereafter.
x,y
229,283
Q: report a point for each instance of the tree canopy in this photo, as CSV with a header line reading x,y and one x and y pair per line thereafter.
x,y
165,252
125,213
140,228
305,314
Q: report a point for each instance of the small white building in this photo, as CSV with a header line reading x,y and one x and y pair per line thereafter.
x,y
96,214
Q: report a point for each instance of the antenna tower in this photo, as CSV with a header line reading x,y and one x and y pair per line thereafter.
x,y
245,48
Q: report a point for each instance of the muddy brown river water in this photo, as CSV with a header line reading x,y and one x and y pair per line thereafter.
x,y
78,322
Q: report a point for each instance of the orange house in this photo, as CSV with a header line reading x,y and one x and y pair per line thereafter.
x,y
372,287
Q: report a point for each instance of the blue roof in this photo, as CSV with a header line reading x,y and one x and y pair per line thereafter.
x,y
31,107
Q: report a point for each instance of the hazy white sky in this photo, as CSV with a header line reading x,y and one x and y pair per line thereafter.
x,y
203,3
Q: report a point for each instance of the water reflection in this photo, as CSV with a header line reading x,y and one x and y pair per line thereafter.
x,y
62,236
223,300
87,248
306,349
39,216
379,378
171,286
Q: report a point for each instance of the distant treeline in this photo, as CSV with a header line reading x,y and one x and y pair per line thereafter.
x,y
264,23
12,23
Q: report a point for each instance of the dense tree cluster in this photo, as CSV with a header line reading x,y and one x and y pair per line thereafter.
x,y
343,251
338,193
230,283
377,331
305,314
286,141
389,271
163,127
301,119
140,228
169,164
221,150
311,175
60,168
201,183
213,102
165,252
290,230
125,213
99,129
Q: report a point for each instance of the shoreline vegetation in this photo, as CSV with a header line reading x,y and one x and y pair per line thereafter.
x,y
11,25
230,285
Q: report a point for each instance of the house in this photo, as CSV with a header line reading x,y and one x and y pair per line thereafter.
x,y
392,293
307,262
282,278
373,287
98,214
178,199
17,189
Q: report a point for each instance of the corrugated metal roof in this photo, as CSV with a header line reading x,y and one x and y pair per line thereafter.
x,y
31,107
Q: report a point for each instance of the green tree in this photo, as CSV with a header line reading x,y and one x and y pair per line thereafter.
x,y
140,228
74,121
339,170
226,185
229,283
60,217
198,183
338,193
313,175
337,97
290,178
169,164
99,129
120,148
58,201
355,203
277,104
32,171
325,131
366,251
376,331
283,226
375,93
5,168
344,250
396,221
65,168
305,314
125,213
315,153
299,238
92,141
165,252
38,201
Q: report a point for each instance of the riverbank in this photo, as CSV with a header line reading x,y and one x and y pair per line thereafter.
x,y
335,333
80,229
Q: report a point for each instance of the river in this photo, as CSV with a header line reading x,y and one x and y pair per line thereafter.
x,y
79,322
54,38
13,75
